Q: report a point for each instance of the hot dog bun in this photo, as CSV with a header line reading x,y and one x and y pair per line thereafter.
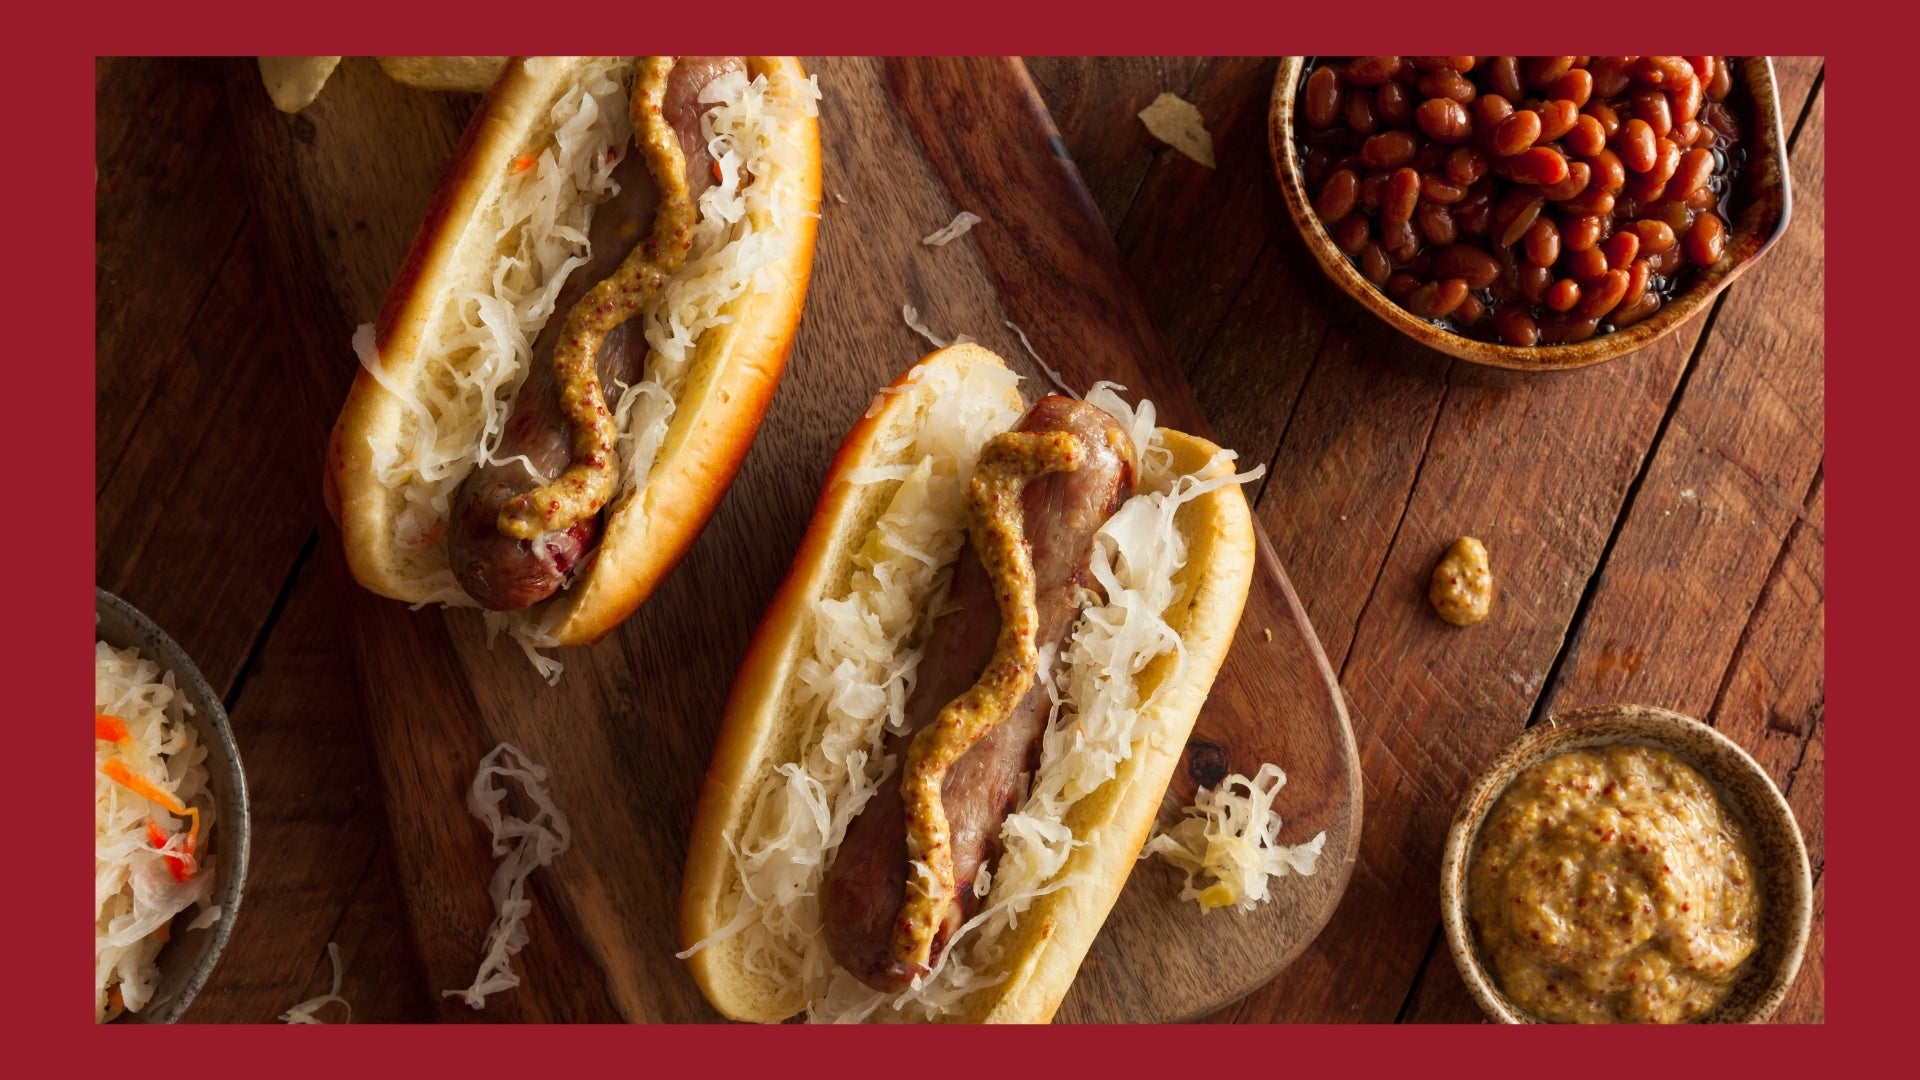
x,y
766,725
727,384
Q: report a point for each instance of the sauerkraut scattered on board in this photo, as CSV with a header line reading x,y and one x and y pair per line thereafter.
x,y
952,230
308,1011
522,847
1230,840
1059,383
153,814
911,315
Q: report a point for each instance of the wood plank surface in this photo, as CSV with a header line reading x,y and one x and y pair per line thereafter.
x,y
181,349
320,871
1712,603
628,731
1383,452
205,519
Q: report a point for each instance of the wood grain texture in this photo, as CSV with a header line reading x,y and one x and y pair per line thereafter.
x,y
318,829
1381,452
334,258
162,170
1094,100
185,375
204,511
1286,369
628,731
1386,410
326,252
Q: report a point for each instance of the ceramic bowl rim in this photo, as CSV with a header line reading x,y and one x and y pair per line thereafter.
x,y
233,835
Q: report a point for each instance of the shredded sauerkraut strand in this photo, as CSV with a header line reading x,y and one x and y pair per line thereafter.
x,y
523,847
1053,376
911,315
308,1011
1229,843
952,230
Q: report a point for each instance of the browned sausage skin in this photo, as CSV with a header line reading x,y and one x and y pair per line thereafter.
x,y
866,885
501,572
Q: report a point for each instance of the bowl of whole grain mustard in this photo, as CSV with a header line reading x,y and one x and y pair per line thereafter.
x,y
1625,864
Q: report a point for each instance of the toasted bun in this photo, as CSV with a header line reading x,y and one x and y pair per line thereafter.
x,y
762,728
727,385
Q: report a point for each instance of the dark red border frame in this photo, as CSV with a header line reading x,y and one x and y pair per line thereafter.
x,y
48,79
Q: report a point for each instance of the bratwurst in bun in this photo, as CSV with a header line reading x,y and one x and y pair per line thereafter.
x,y
952,732
583,339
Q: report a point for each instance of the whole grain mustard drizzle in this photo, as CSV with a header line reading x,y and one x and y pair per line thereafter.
x,y
996,528
587,484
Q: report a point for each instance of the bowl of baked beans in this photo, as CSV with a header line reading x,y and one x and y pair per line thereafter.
x,y
1537,212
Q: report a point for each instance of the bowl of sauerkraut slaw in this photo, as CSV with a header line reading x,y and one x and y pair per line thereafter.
x,y
170,821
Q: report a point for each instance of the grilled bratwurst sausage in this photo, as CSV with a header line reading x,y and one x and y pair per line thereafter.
x,y
1062,511
502,572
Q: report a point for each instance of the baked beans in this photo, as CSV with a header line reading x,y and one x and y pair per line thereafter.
x,y
1527,200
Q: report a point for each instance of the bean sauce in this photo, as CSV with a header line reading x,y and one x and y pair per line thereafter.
x,y
1523,200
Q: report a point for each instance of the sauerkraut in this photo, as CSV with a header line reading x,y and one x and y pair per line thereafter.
x,y
854,680
952,230
911,316
308,1011
855,683
1229,843
481,347
522,846
542,223
149,858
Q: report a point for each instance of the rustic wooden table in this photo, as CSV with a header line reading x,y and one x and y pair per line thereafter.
x,y
1657,523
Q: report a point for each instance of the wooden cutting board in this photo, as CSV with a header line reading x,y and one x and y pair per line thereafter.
x,y
628,731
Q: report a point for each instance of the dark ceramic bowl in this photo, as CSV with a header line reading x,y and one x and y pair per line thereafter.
x,y
188,957
1780,858
1762,205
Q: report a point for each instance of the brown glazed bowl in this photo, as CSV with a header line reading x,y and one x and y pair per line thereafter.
x,y
1780,858
1763,198
187,959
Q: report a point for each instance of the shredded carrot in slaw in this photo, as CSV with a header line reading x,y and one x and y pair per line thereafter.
x,y
110,729
118,772
181,865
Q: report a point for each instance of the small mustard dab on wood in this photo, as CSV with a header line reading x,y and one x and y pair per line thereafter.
x,y
1462,587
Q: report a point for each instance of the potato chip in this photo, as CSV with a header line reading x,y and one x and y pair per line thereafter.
x,y
294,81
1178,124
473,74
